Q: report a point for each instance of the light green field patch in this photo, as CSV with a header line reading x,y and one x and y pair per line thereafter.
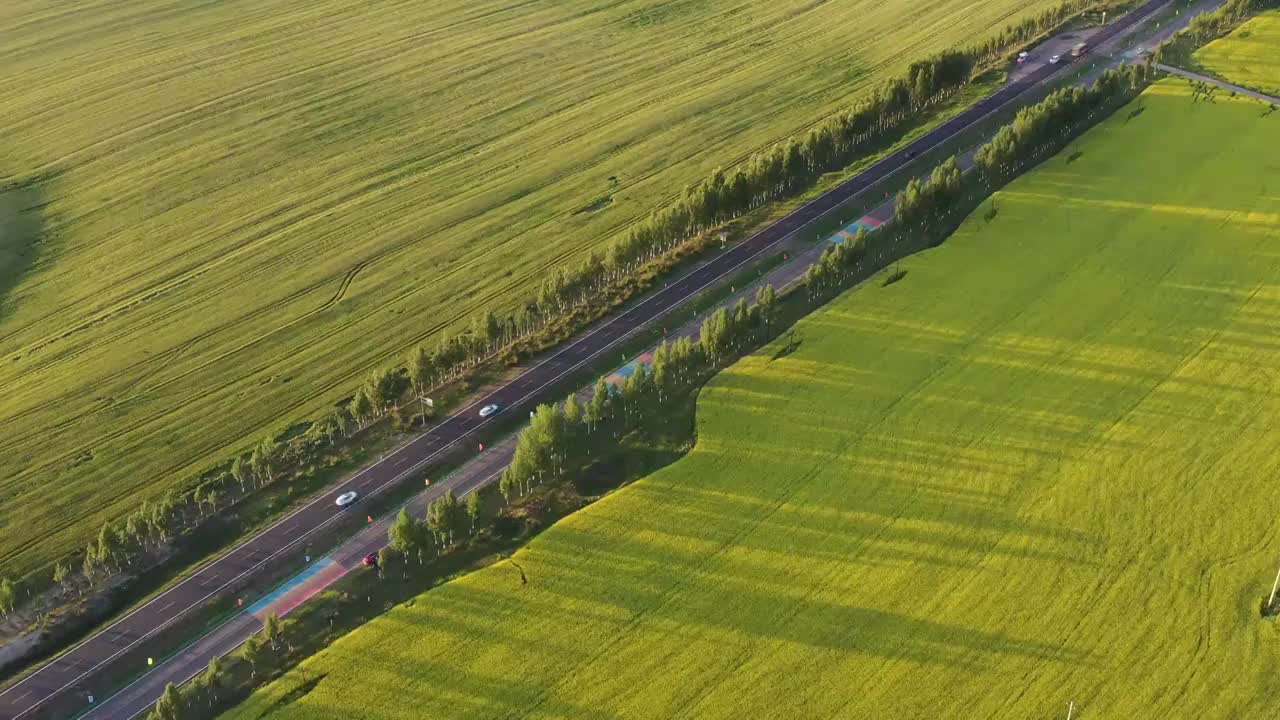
x,y
258,201
1249,56
1036,470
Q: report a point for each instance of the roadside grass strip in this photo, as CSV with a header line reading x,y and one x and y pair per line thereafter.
x,y
1036,471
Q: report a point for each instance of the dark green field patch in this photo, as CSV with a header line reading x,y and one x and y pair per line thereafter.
x,y
20,237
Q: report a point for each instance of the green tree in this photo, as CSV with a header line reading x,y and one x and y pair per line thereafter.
x,y
238,471
133,530
60,573
212,677
158,520
572,414
421,368
714,334
402,536
547,429
443,518
385,554
508,485
473,508
106,554
632,389
383,388
435,520
361,407
252,652
339,423
766,301
598,405
170,705
264,460
661,369
90,565
487,330
197,499
8,597
272,628
741,322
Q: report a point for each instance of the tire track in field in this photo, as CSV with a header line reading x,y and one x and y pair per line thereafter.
x,y
329,96
370,179
195,271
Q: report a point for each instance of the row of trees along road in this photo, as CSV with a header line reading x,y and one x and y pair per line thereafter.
x,y
446,522
781,171
562,438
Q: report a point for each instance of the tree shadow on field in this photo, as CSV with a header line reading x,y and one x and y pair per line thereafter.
x,y
727,601
21,237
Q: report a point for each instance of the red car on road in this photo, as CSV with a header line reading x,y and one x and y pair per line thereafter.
x,y
370,560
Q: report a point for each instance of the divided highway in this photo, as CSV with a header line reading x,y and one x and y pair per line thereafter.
x,y
74,671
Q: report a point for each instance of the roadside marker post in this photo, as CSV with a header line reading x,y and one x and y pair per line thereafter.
x,y
1271,601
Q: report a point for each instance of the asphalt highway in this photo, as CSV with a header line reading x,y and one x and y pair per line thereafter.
x,y
74,671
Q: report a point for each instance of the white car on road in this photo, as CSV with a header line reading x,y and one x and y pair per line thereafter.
x,y
1054,60
488,410
346,499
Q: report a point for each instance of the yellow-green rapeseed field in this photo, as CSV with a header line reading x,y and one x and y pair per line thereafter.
x,y
1037,470
1250,56
243,206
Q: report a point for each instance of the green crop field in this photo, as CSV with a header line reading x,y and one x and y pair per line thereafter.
x,y
246,205
1250,56
1038,469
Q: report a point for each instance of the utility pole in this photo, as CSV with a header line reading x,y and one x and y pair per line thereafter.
x,y
1071,709
1271,601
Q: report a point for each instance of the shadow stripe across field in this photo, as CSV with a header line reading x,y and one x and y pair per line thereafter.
x,y
71,670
